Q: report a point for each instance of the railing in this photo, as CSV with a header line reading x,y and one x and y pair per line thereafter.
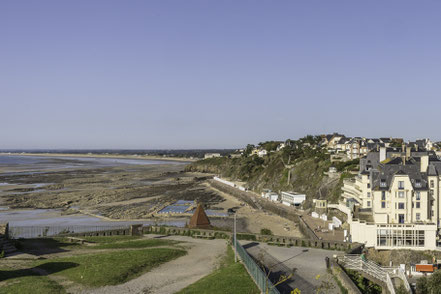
x,y
28,232
398,273
354,262
255,271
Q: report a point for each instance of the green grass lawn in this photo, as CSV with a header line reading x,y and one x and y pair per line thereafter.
x,y
110,239
31,284
110,268
88,268
14,280
230,278
145,243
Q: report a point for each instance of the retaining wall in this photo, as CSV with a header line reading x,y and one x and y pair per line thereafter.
x,y
4,230
271,240
345,280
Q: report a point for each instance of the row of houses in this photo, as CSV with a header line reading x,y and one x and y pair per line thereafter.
x,y
356,147
286,198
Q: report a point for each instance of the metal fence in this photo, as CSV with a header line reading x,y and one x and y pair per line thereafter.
x,y
255,271
28,232
384,274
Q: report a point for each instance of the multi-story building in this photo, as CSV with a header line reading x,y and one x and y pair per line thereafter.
x,y
401,189
292,198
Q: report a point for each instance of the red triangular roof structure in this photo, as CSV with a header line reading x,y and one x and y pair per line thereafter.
x,y
199,219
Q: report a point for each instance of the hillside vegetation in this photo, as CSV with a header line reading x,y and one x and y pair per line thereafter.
x,y
306,160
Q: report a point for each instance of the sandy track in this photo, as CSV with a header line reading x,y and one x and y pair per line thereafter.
x,y
202,258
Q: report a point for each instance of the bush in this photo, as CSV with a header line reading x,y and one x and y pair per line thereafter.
x,y
248,237
422,285
265,232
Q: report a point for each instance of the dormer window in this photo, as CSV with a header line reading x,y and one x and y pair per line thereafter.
x,y
418,184
383,183
401,185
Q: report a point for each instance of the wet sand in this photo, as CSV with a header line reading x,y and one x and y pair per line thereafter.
x,y
130,193
76,155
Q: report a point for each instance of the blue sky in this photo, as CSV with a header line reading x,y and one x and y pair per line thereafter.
x,y
204,74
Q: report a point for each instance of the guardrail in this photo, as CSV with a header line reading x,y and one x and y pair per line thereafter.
x,y
384,274
256,273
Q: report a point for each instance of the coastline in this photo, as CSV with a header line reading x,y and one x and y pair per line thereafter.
x,y
86,155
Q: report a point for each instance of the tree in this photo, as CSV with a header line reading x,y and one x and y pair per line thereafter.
x,y
435,282
401,290
422,285
248,150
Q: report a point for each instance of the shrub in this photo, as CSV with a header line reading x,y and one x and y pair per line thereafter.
x,y
248,237
265,231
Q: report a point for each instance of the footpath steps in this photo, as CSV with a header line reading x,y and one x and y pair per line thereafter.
x,y
6,246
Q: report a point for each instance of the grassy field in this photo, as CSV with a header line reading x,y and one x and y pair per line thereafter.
x,y
135,244
27,281
230,278
128,257
110,268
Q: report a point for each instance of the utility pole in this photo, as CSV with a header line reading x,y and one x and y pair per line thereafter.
x,y
235,239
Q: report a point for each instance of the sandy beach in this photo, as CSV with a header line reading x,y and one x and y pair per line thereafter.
x,y
92,155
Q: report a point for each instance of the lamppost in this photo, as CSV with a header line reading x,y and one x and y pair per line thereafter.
x,y
235,239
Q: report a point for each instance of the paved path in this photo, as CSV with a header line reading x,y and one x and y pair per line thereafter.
x,y
304,263
202,258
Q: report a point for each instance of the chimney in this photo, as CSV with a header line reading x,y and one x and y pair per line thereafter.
x,y
424,163
403,159
408,152
403,147
378,148
382,154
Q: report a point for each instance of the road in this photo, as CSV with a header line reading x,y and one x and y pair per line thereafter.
x,y
306,264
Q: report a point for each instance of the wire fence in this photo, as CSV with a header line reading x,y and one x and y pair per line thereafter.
x,y
256,272
29,232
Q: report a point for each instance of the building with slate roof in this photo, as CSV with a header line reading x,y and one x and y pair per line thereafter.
x,y
400,187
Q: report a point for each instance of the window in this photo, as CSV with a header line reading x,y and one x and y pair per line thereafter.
x,y
418,195
383,195
401,185
368,185
401,194
418,216
418,205
369,204
401,205
431,192
369,194
383,204
432,184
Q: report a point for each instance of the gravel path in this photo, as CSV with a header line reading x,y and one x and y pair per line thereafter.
x,y
202,258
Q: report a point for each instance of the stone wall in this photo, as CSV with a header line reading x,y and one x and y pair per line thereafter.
x,y
271,240
4,230
341,275
306,230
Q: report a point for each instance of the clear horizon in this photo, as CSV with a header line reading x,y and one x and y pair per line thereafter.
x,y
216,74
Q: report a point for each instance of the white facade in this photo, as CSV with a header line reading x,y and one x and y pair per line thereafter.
x,y
403,196
292,198
211,155
270,195
262,153
395,236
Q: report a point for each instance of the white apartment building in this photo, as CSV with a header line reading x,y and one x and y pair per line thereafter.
x,y
292,198
402,191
